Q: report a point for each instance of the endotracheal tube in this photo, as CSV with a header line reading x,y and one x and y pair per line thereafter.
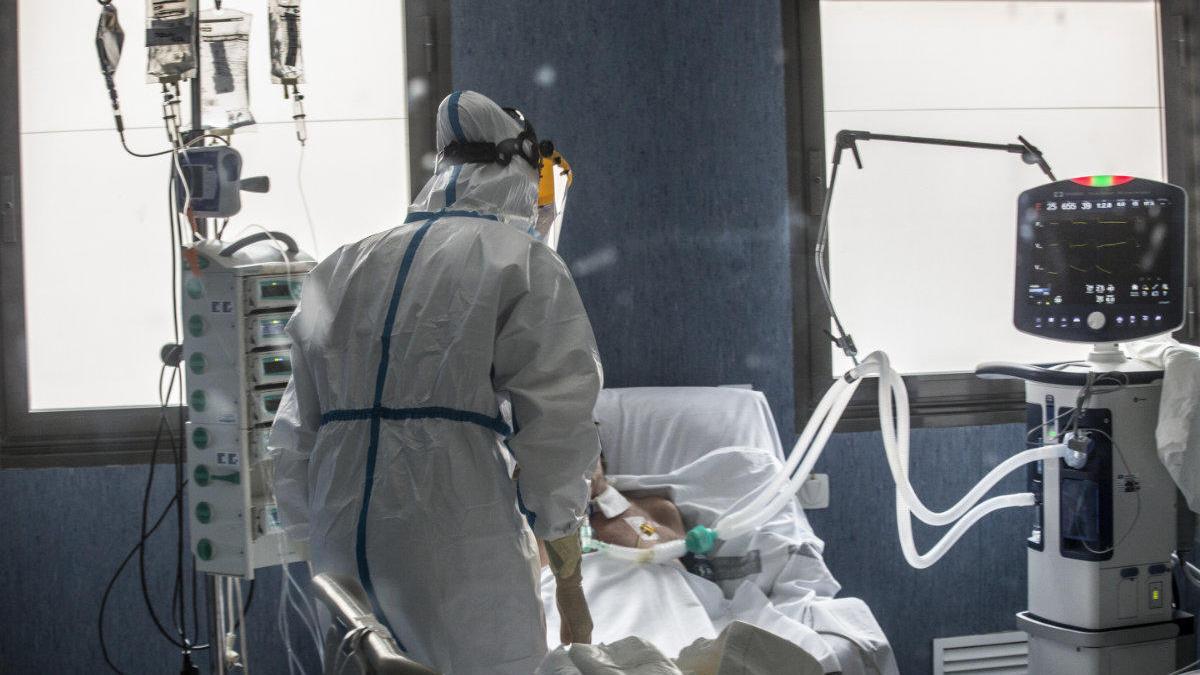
x,y
895,429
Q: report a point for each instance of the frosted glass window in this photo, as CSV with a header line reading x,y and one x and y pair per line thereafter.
x,y
96,233
922,239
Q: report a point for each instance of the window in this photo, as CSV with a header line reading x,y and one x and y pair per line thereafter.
x,y
85,242
924,232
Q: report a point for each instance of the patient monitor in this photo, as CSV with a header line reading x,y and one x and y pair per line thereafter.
x,y
1100,260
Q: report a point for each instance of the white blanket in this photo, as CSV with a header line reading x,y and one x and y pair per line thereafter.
x,y
773,578
740,649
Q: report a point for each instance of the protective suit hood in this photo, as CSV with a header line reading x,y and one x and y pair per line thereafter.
x,y
508,192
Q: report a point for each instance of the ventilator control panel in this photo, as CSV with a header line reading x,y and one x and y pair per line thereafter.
x,y
235,307
1100,259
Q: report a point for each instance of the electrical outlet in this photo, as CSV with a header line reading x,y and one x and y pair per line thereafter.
x,y
814,494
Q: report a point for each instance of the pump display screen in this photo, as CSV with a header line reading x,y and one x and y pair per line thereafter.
x,y
276,289
277,365
272,327
1100,259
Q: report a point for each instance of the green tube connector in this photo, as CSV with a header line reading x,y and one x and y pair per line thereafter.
x,y
700,539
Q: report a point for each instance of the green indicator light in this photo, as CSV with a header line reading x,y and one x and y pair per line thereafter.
x,y
199,400
194,288
200,438
204,549
203,512
197,363
1102,181
201,475
196,325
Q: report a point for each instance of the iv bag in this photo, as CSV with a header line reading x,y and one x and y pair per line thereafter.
x,y
287,61
224,81
170,27
109,39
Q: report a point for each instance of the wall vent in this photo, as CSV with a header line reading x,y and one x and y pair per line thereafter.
x,y
993,654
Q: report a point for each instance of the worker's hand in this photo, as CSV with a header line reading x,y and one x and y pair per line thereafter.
x,y
575,626
566,555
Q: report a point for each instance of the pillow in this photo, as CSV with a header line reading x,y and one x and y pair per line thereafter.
x,y
654,430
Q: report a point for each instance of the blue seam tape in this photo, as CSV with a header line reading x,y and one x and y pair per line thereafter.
x,y
455,124
495,424
530,516
417,216
377,412
360,545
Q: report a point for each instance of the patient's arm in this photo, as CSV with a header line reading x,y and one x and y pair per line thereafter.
x,y
659,513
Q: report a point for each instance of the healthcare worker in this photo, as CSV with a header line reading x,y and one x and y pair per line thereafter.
x,y
389,444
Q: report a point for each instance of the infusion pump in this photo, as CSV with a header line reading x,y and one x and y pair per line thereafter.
x,y
236,301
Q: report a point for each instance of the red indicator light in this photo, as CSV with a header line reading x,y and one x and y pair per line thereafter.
x,y
1101,181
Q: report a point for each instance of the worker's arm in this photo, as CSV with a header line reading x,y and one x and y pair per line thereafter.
x,y
292,439
546,360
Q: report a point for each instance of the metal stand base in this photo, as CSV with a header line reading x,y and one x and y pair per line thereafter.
x,y
1152,648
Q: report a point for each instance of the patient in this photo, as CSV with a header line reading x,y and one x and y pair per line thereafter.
x,y
773,578
635,522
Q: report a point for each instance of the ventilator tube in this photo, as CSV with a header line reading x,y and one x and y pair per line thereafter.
x,y
895,432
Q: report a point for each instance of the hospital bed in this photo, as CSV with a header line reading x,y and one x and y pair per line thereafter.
x,y
356,642
655,430
643,431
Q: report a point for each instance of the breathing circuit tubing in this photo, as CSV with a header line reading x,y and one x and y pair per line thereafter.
x,y
895,428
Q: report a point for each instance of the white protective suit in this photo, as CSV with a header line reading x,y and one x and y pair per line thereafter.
x,y
389,443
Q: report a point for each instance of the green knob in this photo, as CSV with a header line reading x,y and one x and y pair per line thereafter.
x,y
234,478
197,363
204,549
199,400
700,539
196,325
200,438
194,288
203,512
201,475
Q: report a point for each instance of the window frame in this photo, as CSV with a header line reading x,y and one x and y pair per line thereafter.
x,y
103,436
954,398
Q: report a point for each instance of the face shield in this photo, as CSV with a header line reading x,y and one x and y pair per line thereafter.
x,y
556,180
554,172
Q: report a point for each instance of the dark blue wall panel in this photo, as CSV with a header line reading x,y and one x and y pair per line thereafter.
x,y
671,114
64,532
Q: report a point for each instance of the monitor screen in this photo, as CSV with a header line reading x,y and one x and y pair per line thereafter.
x,y
1100,259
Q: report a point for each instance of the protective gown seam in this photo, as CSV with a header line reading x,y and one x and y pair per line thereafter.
x,y
377,410
385,413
